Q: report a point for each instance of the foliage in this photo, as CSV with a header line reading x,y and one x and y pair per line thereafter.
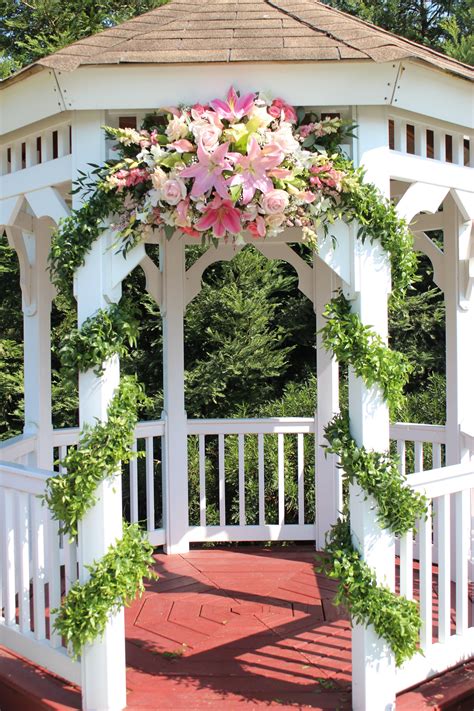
x,y
114,581
29,31
102,447
395,619
11,387
357,345
378,475
106,333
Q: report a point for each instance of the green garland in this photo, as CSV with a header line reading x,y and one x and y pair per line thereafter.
x,y
394,618
114,581
355,344
101,449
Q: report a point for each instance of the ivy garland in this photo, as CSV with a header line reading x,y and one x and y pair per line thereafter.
x,y
305,181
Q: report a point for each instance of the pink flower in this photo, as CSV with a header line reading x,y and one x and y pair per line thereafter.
x,y
254,167
182,146
190,231
235,107
287,112
207,172
207,134
173,191
222,216
135,176
306,196
274,201
274,111
257,228
182,213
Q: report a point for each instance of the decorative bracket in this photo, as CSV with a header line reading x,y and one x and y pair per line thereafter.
x,y
193,280
436,256
465,203
17,241
287,254
48,202
154,279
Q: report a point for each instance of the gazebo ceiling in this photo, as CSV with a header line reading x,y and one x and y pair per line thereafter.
x,y
222,31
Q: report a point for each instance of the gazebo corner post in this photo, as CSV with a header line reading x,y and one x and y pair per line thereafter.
x,y
175,460
373,662
103,667
328,476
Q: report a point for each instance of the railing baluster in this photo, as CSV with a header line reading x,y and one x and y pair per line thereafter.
x,y
38,543
202,480
400,135
241,449
222,516
462,507
23,553
70,562
7,541
401,447
444,566
134,486
281,478
418,457
300,438
150,484
53,575
261,480
406,565
436,455
426,581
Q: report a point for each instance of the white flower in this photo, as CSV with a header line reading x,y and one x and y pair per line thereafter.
x,y
157,152
207,134
284,139
177,128
174,191
158,178
260,117
127,136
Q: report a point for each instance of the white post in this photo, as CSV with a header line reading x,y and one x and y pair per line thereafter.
x,y
459,350
176,452
103,661
328,476
373,663
37,345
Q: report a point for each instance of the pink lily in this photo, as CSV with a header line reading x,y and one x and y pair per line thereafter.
x,y
182,146
254,167
222,216
207,172
235,107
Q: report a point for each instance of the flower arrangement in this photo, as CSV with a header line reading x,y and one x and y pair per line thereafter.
x,y
215,171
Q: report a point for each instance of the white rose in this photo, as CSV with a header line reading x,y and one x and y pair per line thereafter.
x,y
174,191
285,140
274,202
274,221
176,129
158,178
207,134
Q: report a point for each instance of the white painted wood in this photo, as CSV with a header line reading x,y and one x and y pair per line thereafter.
x,y
150,484
7,542
410,431
38,514
426,581
400,135
103,661
436,455
70,562
22,554
221,455
328,476
443,511
270,425
420,140
418,456
406,565
175,461
440,145
462,533
273,532
287,254
261,479
53,575
241,455
36,177
300,473
281,479
401,457
134,486
458,149
413,169
202,480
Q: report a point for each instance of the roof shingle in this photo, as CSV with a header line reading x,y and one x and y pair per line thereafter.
x,y
227,31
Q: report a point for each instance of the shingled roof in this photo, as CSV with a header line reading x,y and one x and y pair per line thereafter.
x,y
193,31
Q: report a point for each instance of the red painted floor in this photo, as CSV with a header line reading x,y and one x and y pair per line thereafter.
x,y
233,628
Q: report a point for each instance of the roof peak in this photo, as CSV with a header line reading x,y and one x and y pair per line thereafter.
x,y
245,31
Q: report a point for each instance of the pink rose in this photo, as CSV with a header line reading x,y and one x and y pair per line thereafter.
x,y
285,140
274,201
274,111
208,135
173,191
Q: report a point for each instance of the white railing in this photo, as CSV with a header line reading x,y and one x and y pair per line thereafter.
x,y
41,146
447,635
18,449
428,140
32,578
249,479
418,446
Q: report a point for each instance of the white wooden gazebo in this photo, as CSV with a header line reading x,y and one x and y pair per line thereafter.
x,y
414,110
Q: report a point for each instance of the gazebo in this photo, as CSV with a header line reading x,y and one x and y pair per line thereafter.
x,y
413,108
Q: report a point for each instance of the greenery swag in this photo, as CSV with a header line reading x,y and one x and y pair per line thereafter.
x,y
215,171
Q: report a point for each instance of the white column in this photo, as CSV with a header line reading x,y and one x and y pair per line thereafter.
x,y
37,345
176,454
373,663
328,476
103,661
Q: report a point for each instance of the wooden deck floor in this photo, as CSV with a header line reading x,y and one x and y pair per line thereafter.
x,y
232,628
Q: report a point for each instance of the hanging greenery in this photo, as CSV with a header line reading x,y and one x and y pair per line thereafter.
x,y
243,165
